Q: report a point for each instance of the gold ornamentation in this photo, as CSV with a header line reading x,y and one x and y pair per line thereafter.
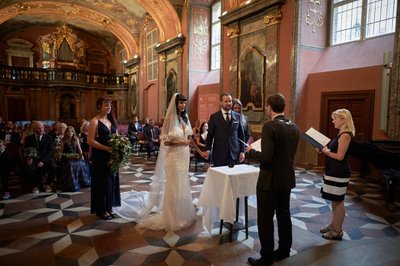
x,y
273,18
68,9
163,58
147,19
101,19
157,6
136,68
200,34
313,17
24,7
179,51
233,32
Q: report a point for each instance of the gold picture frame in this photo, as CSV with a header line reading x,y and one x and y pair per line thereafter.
x,y
251,79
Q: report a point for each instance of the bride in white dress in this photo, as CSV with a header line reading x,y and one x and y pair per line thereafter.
x,y
168,205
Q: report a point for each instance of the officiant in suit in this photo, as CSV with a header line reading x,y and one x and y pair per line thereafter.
x,y
44,163
224,132
279,140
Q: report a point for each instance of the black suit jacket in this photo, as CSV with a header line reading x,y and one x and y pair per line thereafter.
x,y
133,129
45,147
223,137
279,140
13,139
147,132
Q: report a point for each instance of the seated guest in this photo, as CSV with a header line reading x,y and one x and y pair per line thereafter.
x,y
152,135
43,165
83,141
74,170
26,131
201,142
133,128
12,140
53,129
196,129
5,167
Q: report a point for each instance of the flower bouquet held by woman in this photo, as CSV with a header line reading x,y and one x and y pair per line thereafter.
x,y
121,150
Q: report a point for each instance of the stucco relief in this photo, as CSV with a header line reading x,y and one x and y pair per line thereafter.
x,y
200,34
314,14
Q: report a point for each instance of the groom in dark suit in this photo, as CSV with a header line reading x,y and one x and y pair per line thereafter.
x,y
279,140
224,132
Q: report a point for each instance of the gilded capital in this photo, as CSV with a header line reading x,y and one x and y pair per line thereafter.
x,y
179,51
163,58
273,18
135,69
233,32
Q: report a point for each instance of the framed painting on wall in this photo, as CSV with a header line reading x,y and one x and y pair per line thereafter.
x,y
251,79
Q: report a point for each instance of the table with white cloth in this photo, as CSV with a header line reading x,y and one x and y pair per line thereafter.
x,y
222,188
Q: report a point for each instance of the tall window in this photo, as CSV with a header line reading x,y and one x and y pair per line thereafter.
x,y
354,20
215,36
152,56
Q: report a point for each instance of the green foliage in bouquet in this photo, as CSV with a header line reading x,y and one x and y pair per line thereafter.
x,y
30,152
121,150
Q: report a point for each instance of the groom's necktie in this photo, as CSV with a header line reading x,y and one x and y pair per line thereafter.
x,y
227,117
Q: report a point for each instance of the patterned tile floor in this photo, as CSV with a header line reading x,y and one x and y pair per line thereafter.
x,y
58,229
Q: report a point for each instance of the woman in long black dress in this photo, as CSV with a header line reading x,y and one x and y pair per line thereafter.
x,y
105,192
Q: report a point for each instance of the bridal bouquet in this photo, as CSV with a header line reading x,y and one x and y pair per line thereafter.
x,y
121,150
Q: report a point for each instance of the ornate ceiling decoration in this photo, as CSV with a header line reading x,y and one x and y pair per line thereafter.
x,y
109,21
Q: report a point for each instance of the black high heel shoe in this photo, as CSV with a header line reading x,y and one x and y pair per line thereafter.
x,y
105,217
113,215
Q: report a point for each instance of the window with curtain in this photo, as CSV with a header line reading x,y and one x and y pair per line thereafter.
x,y
151,54
354,20
215,36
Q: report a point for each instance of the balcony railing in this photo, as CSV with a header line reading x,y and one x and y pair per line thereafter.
x,y
9,74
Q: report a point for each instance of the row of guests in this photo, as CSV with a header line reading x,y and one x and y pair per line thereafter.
x,y
56,158
150,132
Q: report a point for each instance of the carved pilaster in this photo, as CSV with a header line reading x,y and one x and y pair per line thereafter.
x,y
233,31
179,51
394,105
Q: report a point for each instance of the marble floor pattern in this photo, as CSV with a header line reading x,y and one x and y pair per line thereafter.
x,y
58,229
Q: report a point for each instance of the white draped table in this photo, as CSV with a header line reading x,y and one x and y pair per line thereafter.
x,y
222,186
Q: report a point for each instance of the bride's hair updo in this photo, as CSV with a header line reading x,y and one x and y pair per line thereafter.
x,y
183,115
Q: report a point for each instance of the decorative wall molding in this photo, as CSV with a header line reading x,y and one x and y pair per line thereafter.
x,y
314,14
273,17
233,32
250,10
179,51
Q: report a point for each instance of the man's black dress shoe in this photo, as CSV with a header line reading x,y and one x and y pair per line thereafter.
x,y
258,262
279,255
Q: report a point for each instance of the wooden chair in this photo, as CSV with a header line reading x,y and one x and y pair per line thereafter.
x,y
141,142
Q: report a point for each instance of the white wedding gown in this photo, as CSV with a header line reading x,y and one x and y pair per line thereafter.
x,y
169,204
